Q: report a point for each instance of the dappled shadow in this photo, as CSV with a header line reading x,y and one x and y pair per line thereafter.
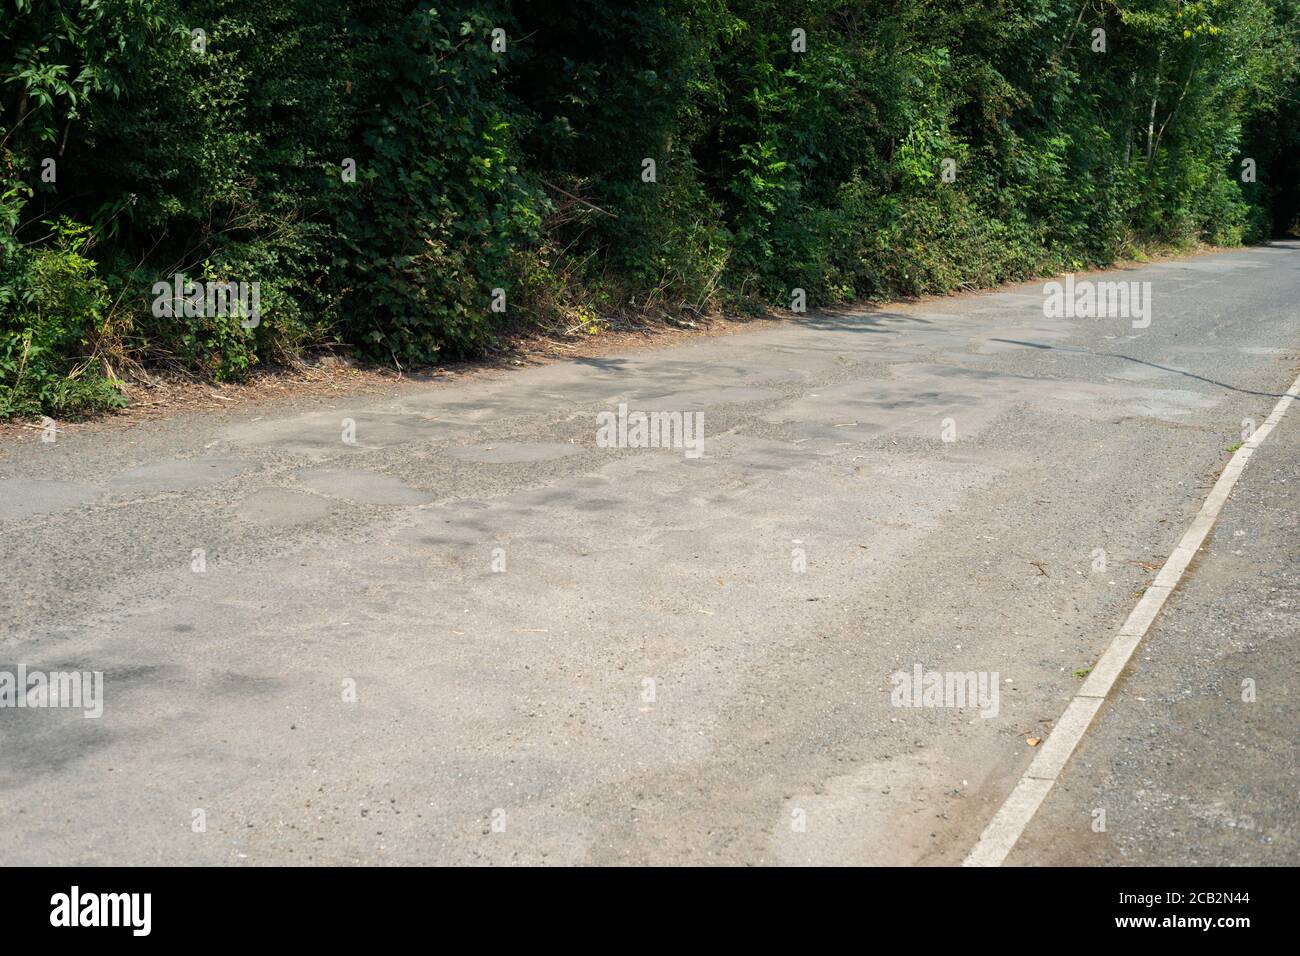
x,y
860,321
605,364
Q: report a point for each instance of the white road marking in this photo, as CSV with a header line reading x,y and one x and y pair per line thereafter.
x,y
1000,836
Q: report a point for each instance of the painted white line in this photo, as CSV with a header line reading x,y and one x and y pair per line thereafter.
x,y
1004,830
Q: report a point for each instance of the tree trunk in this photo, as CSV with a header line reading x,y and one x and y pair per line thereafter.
x,y
1128,123
1151,116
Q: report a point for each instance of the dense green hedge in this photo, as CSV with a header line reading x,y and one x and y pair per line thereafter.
x,y
783,159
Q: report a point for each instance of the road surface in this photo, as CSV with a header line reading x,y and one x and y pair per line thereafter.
x,y
449,625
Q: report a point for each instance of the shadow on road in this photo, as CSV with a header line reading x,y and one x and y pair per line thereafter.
x,y
1138,361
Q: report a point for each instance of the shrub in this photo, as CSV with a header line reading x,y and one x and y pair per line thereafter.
x,y
380,167
54,311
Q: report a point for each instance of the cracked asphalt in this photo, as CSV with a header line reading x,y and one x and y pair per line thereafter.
x,y
444,625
